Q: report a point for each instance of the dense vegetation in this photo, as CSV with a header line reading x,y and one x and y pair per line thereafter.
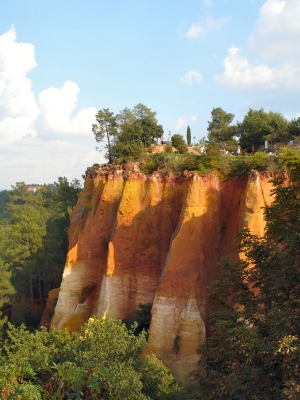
x,y
101,361
33,245
254,348
128,133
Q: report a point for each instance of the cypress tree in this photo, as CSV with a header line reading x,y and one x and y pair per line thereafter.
x,y
188,136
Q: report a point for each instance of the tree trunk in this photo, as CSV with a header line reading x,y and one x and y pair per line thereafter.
x,y
109,148
40,289
31,294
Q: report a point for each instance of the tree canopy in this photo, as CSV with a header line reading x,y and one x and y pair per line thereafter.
x,y
34,244
258,125
127,133
101,361
220,130
105,128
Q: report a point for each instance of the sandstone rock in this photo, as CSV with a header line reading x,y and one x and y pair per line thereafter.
x,y
139,239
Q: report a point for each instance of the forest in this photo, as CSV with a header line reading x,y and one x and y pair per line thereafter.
x,y
252,351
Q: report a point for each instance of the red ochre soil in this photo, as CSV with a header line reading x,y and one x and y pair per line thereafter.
x,y
138,239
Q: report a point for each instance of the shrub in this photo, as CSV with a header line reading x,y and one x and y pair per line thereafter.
x,y
177,140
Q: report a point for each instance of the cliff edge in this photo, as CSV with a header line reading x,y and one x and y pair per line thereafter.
x,y
155,239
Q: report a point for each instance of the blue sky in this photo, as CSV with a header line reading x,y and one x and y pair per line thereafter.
x,y
61,61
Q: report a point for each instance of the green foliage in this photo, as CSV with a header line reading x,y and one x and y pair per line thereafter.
x,y
169,149
177,140
294,128
188,136
253,351
219,129
290,159
102,360
182,149
4,199
128,133
105,128
34,243
258,126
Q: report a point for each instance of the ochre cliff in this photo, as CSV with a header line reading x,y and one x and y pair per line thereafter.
x,y
138,239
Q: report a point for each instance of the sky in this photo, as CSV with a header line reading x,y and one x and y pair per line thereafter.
x,y
62,61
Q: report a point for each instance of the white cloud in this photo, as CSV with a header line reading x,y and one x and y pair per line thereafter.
x,y
183,121
208,3
35,161
191,77
271,57
207,25
18,108
240,74
194,31
56,106
277,31
39,139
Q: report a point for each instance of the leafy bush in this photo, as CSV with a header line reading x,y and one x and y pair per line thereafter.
x,y
226,167
102,360
182,149
177,140
289,158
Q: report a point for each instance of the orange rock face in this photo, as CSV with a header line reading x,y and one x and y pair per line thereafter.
x,y
138,239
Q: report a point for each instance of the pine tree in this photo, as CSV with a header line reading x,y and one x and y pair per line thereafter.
x,y
25,236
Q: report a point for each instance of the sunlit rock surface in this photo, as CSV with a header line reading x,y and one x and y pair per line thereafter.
x,y
158,238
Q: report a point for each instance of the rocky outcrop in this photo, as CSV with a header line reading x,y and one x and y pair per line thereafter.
x,y
158,238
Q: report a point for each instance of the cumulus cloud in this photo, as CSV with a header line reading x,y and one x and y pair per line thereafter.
x,y
18,108
239,73
56,106
191,77
207,25
39,138
271,57
183,121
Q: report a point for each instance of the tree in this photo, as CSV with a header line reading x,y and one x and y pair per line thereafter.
x,y
4,199
179,143
188,136
6,287
25,235
219,129
126,116
129,143
141,112
294,127
258,126
177,140
105,127
254,348
151,131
